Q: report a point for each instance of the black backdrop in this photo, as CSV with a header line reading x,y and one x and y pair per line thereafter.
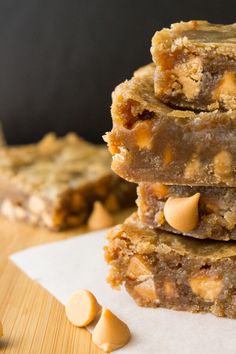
x,y
60,59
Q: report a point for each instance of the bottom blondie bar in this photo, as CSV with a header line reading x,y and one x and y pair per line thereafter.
x,y
160,269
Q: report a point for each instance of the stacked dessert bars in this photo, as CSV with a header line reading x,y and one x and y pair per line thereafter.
x,y
174,133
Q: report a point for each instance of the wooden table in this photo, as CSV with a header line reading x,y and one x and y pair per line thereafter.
x,y
33,320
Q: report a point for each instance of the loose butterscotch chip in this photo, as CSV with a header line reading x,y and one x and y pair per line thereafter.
x,y
182,213
206,287
99,218
137,268
110,333
1,329
82,308
189,75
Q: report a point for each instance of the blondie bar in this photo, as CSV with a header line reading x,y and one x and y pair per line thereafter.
x,y
216,209
55,182
152,142
160,269
196,65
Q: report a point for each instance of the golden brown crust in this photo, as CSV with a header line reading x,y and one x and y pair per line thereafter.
x,y
192,58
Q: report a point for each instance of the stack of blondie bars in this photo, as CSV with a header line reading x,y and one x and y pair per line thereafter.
x,y
174,134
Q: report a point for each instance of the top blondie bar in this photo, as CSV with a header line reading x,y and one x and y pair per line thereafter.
x,y
196,65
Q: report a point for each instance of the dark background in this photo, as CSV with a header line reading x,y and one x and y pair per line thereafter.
x,y
60,59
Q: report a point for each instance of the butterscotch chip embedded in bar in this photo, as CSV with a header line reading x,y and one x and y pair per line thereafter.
x,y
110,333
183,273
196,65
55,182
212,208
82,308
150,141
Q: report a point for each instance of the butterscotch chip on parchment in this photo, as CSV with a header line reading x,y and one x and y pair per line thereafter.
x,y
100,218
110,333
176,272
82,308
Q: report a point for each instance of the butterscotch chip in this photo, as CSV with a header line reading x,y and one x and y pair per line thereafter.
x,y
48,145
190,85
110,333
82,308
207,287
182,213
100,218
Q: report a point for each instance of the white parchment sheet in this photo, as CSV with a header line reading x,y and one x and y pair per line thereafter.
x,y
65,266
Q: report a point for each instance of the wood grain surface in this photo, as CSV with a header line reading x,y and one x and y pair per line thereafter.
x,y
33,320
